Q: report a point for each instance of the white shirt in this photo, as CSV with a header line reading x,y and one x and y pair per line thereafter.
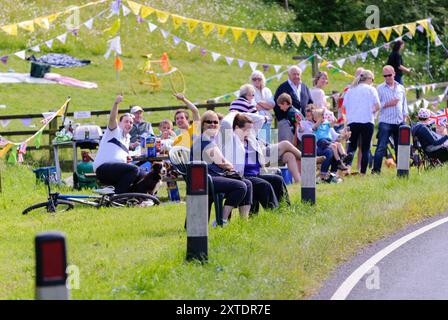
x,y
114,147
359,103
297,90
264,95
318,97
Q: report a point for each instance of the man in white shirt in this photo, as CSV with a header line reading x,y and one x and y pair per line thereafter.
x,y
112,162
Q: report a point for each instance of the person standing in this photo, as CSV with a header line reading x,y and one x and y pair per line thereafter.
x,y
396,61
361,102
393,113
264,102
317,92
301,97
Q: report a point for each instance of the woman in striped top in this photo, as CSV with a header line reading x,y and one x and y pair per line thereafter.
x,y
245,101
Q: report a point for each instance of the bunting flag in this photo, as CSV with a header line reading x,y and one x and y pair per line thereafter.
x,y
26,122
43,23
146,11
113,29
162,16
21,54
295,37
126,10
4,59
5,149
177,21
114,45
251,35
387,32
207,27
192,24
336,37
152,27
49,43
373,34
281,37
267,36
135,7
322,38
27,25
62,37
411,27
398,29
308,38
215,56
10,29
346,37
89,24
222,30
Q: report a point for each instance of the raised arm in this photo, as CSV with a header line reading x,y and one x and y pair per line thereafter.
x,y
113,123
190,106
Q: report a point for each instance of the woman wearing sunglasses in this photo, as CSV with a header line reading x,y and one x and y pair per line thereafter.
x,y
238,192
264,101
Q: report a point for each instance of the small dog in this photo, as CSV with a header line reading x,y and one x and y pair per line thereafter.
x,y
153,180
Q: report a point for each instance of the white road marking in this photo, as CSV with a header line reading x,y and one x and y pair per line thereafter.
x,y
347,286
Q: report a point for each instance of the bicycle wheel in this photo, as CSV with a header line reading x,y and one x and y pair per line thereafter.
x,y
45,207
133,200
177,81
142,83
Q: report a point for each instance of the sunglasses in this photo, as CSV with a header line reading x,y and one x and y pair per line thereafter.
x,y
308,110
211,122
387,75
256,79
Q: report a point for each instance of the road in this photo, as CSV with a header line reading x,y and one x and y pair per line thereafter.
x,y
412,264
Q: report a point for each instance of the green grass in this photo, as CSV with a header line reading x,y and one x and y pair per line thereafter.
x,y
283,254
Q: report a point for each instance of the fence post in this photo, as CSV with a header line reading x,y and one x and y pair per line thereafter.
x,y
315,65
53,128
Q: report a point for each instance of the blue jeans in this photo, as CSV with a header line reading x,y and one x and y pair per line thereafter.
x,y
329,159
385,130
399,79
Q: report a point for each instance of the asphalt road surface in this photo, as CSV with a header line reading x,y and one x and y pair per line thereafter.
x,y
412,264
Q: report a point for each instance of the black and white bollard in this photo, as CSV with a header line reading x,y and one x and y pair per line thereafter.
x,y
404,151
309,168
51,266
197,211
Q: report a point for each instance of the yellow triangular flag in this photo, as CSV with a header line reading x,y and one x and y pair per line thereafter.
x,y
146,11
114,28
411,27
336,37
267,36
308,38
251,35
346,37
135,7
398,29
386,33
324,63
208,27
177,21
424,23
10,29
5,149
373,34
322,38
237,32
295,37
162,16
281,37
192,24
27,25
221,30
53,17
360,36
43,23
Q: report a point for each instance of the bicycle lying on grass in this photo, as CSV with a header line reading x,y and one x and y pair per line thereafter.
x,y
106,197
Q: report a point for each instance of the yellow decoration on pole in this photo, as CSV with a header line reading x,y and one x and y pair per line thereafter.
x,y
322,38
5,150
114,28
346,37
411,27
146,11
281,37
308,38
10,29
398,29
373,34
251,35
192,24
207,27
237,32
387,32
267,36
162,16
336,37
43,23
27,25
135,7
177,21
221,30
360,36
295,37
324,63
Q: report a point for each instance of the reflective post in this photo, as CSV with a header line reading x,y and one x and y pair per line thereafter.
x,y
404,151
309,168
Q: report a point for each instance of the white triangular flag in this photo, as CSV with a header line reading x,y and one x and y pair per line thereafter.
x,y
253,65
35,48
62,37
126,10
340,62
418,103
229,60
433,87
152,27
176,40
374,52
353,59
114,45
441,97
437,42
411,107
89,24
421,29
164,33
5,122
215,56
409,35
21,54
277,68
303,65
425,103
241,63
279,76
49,43
190,46
423,89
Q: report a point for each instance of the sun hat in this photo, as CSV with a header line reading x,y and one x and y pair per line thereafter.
x,y
424,113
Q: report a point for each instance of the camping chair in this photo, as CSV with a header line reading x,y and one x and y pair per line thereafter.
x,y
179,157
419,157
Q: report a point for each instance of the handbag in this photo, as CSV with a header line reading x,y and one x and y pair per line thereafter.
x,y
232,175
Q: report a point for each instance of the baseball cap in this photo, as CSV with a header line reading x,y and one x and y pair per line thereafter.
x,y
135,109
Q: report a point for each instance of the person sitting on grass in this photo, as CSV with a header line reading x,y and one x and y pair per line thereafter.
x,y
432,144
112,162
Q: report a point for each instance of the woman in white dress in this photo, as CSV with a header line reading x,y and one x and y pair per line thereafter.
x,y
317,92
264,102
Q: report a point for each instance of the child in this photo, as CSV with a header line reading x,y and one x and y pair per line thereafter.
x,y
166,136
306,125
293,115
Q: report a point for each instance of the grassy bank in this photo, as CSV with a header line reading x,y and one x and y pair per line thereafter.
x,y
285,254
